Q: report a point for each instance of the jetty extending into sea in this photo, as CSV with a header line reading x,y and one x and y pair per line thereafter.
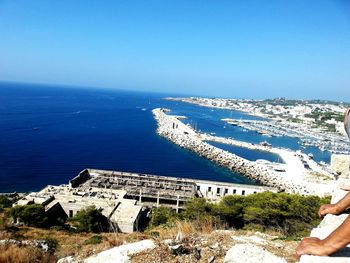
x,y
300,174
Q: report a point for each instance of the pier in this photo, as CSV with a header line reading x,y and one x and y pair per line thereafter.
x,y
331,142
293,177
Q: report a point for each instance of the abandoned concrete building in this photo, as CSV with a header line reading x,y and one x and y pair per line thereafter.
x,y
125,198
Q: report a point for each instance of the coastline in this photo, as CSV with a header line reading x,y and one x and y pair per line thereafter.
x,y
292,121
292,181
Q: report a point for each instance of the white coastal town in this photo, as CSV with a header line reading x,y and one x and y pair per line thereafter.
x,y
316,123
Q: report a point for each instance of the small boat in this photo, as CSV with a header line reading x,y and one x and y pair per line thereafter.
x,y
265,143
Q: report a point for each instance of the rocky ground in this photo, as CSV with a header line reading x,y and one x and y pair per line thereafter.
x,y
227,246
167,246
214,247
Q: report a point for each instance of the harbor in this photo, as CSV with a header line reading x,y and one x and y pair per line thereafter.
x,y
299,174
273,128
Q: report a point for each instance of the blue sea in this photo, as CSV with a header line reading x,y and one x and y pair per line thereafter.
x,y
48,134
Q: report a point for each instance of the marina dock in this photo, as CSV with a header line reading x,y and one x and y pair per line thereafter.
x,y
294,177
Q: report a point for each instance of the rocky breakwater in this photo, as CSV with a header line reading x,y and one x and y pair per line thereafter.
x,y
184,136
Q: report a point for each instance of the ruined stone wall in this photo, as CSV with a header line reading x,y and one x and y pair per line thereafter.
x,y
82,177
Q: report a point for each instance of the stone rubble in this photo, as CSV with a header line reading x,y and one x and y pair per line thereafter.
x,y
120,254
249,253
41,244
68,259
213,247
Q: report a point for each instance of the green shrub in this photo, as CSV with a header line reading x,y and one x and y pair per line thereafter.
x,y
31,215
17,236
52,244
57,228
290,214
161,216
230,210
196,208
94,240
90,220
5,202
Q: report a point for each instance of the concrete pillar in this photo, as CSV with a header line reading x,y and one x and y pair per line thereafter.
x,y
140,197
158,199
177,203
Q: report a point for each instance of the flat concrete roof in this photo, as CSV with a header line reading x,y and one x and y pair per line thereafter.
x,y
127,212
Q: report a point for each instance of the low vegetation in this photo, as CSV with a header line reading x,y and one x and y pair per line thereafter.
x,y
290,215
90,220
94,240
5,202
23,254
30,215
286,216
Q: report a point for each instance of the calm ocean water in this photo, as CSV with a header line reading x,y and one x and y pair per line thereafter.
x,y
49,134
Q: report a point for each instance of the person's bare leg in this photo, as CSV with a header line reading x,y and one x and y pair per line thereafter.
x,y
338,239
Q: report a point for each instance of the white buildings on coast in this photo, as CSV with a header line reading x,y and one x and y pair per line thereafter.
x,y
315,123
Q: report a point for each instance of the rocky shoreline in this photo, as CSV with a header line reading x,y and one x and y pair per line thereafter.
x,y
184,136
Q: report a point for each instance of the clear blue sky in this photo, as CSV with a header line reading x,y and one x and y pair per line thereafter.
x,y
251,49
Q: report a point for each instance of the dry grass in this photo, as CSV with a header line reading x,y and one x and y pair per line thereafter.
x,y
118,239
215,243
15,254
74,243
187,228
194,233
4,235
114,241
